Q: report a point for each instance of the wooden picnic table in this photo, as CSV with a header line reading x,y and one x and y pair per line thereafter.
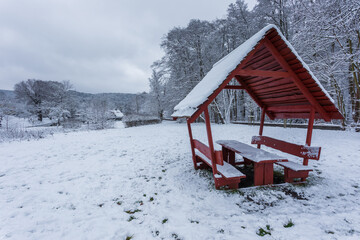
x,y
262,160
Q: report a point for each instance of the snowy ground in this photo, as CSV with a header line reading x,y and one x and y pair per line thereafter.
x,y
140,182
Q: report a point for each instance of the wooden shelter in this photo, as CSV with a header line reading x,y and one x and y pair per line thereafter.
x,y
276,78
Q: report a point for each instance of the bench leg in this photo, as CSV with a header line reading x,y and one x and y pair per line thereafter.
x,y
286,176
231,183
290,175
233,186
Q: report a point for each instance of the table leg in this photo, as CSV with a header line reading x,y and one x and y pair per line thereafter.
x,y
231,158
268,173
228,155
225,152
258,174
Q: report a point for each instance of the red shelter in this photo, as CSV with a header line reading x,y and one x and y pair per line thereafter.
x,y
275,77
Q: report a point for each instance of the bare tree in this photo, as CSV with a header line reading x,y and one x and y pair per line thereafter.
x,y
41,95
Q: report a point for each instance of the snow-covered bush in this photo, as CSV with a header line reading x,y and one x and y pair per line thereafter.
x,y
14,133
138,120
14,128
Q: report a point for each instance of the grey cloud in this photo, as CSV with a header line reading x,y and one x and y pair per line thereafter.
x,y
100,46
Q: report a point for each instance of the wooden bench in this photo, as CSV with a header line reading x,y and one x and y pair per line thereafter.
x,y
262,160
292,170
226,175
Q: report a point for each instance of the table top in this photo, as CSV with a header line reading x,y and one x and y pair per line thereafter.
x,y
250,152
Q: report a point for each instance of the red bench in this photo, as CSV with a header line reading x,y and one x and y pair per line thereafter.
x,y
225,175
292,170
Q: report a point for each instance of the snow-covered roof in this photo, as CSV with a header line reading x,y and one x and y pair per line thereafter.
x,y
117,113
221,70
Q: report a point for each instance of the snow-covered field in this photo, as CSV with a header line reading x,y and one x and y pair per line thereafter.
x,y
140,182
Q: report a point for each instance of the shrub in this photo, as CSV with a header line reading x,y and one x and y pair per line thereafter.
x,y
138,120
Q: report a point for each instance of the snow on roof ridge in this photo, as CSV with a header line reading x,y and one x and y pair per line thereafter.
x,y
222,68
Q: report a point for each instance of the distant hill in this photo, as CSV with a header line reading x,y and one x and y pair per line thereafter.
x,y
7,94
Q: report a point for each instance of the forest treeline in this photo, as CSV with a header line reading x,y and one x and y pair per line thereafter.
x,y
326,34
37,99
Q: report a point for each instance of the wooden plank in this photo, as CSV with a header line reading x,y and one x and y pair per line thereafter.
x,y
262,73
277,95
267,61
192,145
226,170
202,148
291,148
249,152
285,108
266,83
293,115
276,89
283,99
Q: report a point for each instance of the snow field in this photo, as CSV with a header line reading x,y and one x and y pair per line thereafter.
x,y
140,182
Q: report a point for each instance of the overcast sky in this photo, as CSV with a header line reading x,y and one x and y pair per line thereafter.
x,y
99,45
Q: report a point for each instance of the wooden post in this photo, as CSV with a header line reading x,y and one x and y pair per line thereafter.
x,y
261,123
192,146
309,132
210,140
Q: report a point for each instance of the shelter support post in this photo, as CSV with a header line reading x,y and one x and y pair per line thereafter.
x,y
261,123
309,132
210,140
192,145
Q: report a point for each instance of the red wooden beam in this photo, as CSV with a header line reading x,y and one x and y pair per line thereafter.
x,y
210,140
280,59
290,148
202,148
263,110
269,82
304,108
309,132
303,115
262,73
192,145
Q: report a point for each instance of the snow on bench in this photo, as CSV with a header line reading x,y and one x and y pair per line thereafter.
x,y
249,152
226,170
294,166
